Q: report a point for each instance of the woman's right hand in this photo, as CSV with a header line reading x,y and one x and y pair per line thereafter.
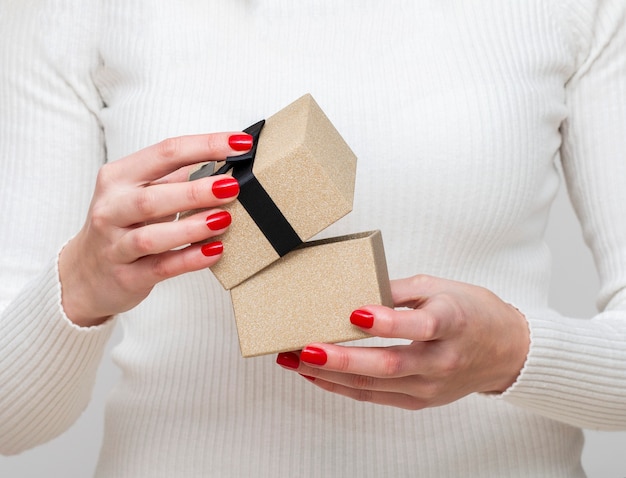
x,y
130,241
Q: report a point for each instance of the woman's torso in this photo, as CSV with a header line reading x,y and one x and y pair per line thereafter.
x,y
453,110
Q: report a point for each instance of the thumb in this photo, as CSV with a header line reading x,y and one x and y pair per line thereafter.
x,y
413,291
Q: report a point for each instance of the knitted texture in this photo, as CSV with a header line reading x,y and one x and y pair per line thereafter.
x,y
457,111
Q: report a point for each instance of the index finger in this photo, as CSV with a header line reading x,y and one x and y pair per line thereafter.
x,y
163,158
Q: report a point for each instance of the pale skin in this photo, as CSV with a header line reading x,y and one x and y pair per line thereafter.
x,y
464,339
129,240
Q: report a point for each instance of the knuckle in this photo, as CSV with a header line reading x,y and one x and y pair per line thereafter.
x,y
169,148
145,203
423,284
215,143
142,243
457,312
429,392
394,326
106,176
363,395
416,402
128,282
188,232
451,363
122,277
392,363
328,386
98,218
196,192
343,362
160,268
421,281
362,382
429,325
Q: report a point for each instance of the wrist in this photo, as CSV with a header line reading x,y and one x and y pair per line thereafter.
x,y
517,345
73,294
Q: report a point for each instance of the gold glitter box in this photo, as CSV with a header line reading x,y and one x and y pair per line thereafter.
x,y
298,180
308,295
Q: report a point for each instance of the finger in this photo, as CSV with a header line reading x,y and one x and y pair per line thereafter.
x,y
291,361
428,387
394,399
161,159
155,268
161,237
408,384
378,362
179,176
136,206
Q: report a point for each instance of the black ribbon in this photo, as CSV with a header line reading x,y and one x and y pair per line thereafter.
x,y
254,198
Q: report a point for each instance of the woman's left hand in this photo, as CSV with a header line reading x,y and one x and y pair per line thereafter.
x,y
464,339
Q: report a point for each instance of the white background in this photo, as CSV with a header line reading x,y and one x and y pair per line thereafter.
x,y
74,454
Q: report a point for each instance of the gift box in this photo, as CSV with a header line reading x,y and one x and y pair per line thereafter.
x,y
297,180
308,295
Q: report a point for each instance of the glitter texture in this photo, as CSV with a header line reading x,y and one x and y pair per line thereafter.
x,y
308,170
308,295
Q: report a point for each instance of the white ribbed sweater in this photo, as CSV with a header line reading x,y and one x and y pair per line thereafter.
x,y
457,112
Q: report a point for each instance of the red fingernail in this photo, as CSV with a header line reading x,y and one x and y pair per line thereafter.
x,y
362,318
313,355
288,359
308,377
240,142
225,188
212,248
219,220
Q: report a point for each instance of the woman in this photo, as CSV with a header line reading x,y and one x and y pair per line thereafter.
x,y
458,113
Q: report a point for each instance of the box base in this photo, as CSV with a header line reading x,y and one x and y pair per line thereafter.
x,y
308,295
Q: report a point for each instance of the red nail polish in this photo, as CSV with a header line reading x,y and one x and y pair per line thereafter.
x,y
219,220
240,142
212,248
362,318
313,355
288,359
308,377
225,188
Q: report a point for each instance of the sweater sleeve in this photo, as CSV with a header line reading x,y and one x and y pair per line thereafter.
x,y
576,369
51,149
